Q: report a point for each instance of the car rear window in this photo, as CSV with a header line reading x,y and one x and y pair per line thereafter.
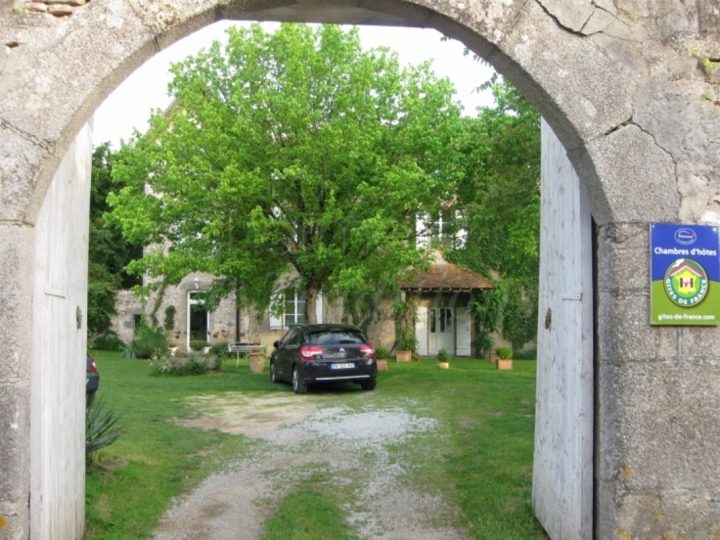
x,y
335,337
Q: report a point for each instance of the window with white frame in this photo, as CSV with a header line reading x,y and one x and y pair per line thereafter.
x,y
440,229
288,309
294,307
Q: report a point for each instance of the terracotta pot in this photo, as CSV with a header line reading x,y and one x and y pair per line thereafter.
x,y
382,365
504,363
403,356
256,359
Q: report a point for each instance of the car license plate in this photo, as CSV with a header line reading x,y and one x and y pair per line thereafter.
x,y
345,365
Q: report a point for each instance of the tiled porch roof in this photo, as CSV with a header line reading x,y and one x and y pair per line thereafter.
x,y
445,276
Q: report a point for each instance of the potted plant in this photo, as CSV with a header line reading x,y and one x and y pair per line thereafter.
x,y
405,330
485,346
406,348
504,357
382,355
443,359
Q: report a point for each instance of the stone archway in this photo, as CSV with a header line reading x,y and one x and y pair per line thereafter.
x,y
632,92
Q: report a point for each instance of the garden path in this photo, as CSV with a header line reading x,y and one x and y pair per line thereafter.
x,y
299,436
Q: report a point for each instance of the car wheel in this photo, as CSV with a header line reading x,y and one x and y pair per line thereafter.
x,y
299,387
369,384
273,372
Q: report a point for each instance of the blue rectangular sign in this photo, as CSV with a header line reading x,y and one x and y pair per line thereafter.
x,y
684,275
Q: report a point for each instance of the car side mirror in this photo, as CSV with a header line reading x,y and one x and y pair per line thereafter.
x,y
276,344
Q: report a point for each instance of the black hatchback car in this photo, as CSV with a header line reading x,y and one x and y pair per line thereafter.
x,y
321,353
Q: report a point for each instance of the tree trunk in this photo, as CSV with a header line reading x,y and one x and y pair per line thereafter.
x,y
311,293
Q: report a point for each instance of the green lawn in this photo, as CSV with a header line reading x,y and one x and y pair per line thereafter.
x,y
483,448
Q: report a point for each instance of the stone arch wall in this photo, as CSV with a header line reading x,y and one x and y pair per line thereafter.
x,y
631,90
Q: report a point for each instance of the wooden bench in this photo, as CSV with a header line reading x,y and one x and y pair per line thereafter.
x,y
243,348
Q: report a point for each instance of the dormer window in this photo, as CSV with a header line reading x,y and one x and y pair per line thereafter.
x,y
439,230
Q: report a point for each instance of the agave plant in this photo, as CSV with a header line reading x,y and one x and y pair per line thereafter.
x,y
101,429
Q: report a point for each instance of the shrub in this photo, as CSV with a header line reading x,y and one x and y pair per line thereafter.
x,y
107,341
101,429
484,344
198,344
148,341
196,367
408,343
165,364
443,356
527,354
381,353
219,349
504,352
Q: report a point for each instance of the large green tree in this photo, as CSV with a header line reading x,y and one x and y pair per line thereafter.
x,y
289,150
500,198
109,252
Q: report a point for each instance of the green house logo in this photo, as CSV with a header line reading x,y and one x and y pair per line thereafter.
x,y
686,282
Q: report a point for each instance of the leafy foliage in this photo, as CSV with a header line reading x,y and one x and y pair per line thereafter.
x,y
169,322
164,364
403,312
148,341
198,344
109,252
289,151
102,428
500,196
219,348
107,341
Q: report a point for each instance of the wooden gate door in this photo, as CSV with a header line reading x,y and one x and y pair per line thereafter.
x,y
563,461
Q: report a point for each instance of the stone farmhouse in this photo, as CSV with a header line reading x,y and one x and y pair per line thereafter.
x,y
440,318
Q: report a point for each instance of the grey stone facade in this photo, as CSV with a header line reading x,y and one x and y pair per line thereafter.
x,y
631,91
225,323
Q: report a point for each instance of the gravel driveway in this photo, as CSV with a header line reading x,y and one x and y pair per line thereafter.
x,y
297,436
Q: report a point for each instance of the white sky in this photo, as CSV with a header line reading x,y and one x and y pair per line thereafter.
x,y
130,105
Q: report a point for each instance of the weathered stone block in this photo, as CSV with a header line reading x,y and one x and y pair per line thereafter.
x,y
664,514
699,343
20,159
623,258
39,7
115,35
625,332
60,10
666,413
16,258
15,519
709,15
593,103
14,449
624,329
638,176
657,466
